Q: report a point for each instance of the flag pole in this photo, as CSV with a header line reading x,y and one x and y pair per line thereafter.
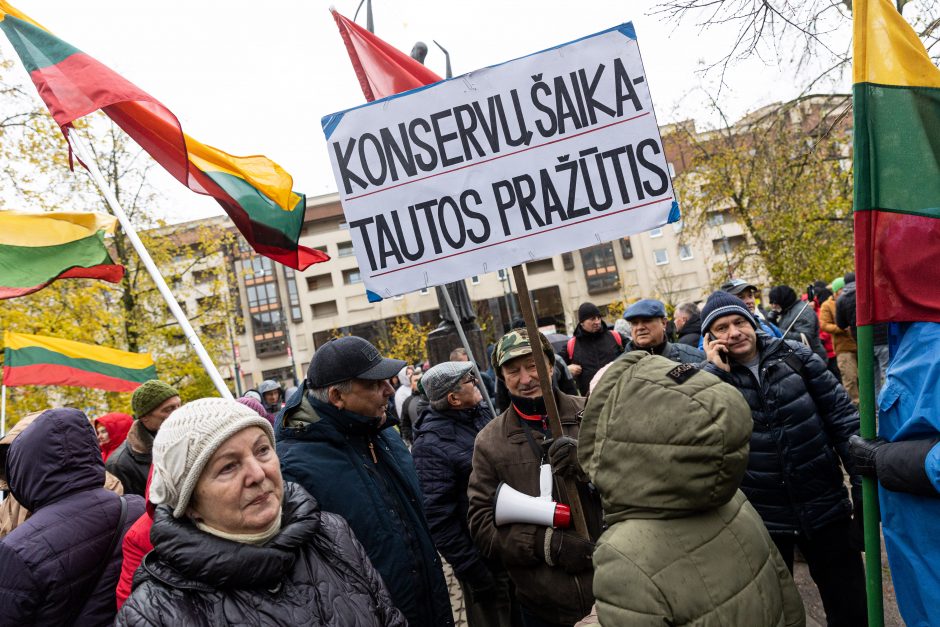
x,y
3,412
545,382
866,405
84,154
466,347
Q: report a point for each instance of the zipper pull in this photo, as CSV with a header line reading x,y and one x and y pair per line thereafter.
x,y
375,460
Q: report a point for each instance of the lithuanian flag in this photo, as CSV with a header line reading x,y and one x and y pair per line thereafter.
x,y
897,169
39,248
254,191
41,360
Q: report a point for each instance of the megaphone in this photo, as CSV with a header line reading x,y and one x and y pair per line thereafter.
x,y
512,506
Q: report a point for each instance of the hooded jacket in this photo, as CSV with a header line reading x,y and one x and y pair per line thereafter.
x,y
49,562
443,448
314,572
364,473
502,453
683,545
802,423
117,426
593,351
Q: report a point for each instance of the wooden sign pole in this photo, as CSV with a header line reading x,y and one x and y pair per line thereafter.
x,y
545,382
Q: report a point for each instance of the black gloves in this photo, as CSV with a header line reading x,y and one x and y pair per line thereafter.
x,y
566,549
479,578
562,454
863,454
899,466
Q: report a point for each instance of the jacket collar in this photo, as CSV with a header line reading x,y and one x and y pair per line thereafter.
x,y
186,557
349,422
568,411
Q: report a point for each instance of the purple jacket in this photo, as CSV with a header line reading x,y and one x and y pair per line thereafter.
x,y
55,470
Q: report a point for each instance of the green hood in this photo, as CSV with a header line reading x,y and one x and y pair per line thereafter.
x,y
663,440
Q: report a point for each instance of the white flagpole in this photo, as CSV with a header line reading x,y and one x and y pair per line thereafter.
x,y
85,155
3,413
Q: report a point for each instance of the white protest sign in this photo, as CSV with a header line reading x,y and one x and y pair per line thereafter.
x,y
545,154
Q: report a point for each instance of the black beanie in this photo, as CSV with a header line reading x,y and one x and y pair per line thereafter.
x,y
783,295
724,304
587,310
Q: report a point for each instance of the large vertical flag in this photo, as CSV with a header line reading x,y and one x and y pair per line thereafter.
x,y
41,360
897,169
39,248
254,191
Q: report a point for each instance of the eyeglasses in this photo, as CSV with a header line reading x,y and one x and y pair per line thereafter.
x,y
471,379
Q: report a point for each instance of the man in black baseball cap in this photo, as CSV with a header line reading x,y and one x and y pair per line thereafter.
x,y
336,440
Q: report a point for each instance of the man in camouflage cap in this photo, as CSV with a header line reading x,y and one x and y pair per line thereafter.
x,y
551,568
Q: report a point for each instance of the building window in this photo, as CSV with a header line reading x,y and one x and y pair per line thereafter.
x,y
727,245
685,253
656,232
539,267
319,282
319,339
660,257
262,295
715,218
600,268
284,376
290,279
344,249
351,277
567,261
323,310
423,291
501,274
257,267
475,280
268,330
626,248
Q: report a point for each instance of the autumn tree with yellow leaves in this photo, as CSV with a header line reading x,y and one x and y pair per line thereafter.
x,y
784,175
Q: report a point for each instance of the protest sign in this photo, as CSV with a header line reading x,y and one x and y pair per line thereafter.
x,y
545,154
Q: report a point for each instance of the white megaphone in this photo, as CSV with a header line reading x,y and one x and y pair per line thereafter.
x,y
512,506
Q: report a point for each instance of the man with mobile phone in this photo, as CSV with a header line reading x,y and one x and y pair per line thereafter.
x,y
803,420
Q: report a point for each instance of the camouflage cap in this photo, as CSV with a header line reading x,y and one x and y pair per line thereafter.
x,y
516,344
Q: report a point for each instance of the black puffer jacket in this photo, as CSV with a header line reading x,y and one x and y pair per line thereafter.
x,y
443,450
802,424
691,333
593,351
314,572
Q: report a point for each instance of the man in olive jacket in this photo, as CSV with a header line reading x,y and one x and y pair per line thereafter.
x,y
683,546
551,568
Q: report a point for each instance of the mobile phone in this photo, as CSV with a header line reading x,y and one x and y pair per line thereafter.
x,y
721,354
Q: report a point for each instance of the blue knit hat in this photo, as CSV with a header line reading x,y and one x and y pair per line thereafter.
x,y
723,304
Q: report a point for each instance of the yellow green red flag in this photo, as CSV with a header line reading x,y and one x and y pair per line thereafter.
x,y
41,360
896,97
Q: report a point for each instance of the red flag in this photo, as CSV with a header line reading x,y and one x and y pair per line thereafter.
x,y
382,69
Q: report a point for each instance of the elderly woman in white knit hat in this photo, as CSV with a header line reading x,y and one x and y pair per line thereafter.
x,y
234,544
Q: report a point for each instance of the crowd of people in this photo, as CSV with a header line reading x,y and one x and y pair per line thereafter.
x,y
704,451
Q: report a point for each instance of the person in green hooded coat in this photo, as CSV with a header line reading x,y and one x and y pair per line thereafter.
x,y
666,445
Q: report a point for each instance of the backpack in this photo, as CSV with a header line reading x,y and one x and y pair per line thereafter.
x,y
617,338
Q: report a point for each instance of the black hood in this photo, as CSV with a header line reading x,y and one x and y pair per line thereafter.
x,y
57,455
693,326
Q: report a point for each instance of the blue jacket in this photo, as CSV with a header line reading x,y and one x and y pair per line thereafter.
x,y
55,470
802,422
329,452
442,450
909,409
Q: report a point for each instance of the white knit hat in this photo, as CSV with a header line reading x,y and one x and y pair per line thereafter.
x,y
186,442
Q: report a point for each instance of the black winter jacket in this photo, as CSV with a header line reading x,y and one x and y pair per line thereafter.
x,y
593,351
800,321
691,333
443,449
802,424
130,462
314,572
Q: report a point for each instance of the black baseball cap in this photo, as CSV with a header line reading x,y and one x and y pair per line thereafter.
x,y
350,357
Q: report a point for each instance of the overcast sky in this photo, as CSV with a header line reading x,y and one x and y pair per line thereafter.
x,y
251,77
